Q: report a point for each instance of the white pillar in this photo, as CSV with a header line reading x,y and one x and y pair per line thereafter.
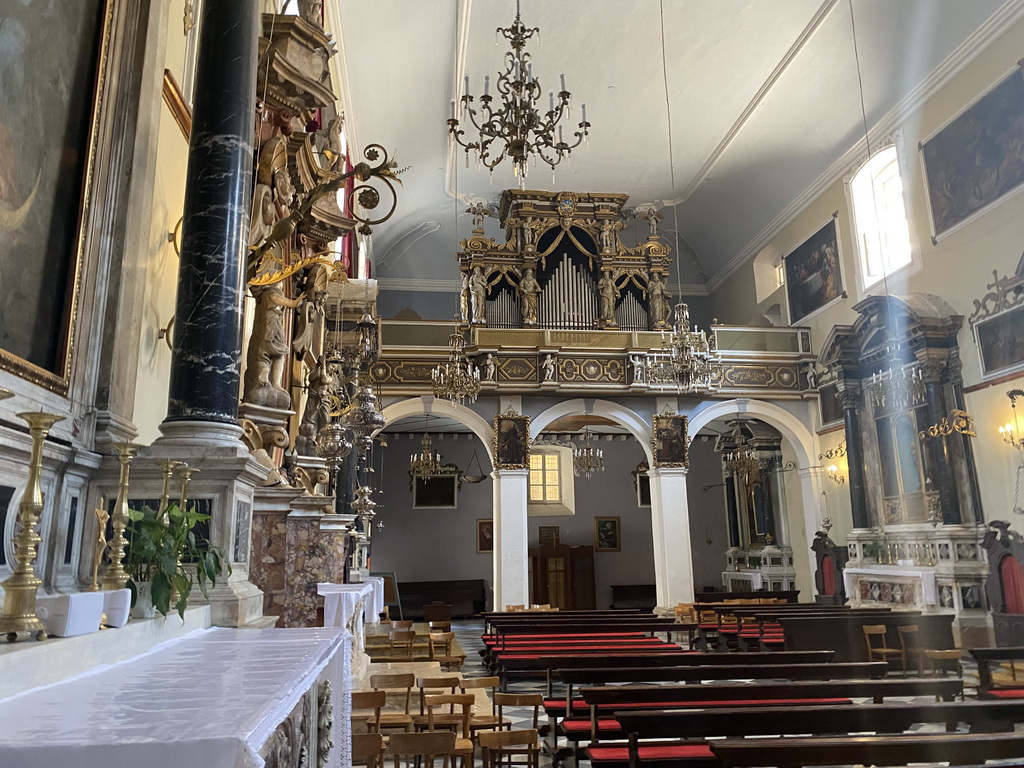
x,y
811,486
511,566
670,517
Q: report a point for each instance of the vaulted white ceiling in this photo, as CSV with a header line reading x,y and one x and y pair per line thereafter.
x,y
763,95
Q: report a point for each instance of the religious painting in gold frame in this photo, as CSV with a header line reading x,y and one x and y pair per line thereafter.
x,y
52,76
607,534
670,441
511,441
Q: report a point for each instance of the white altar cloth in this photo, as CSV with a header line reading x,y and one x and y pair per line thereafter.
x,y
340,601
373,616
209,699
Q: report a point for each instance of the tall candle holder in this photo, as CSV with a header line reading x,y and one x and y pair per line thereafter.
x,y
19,614
185,472
102,516
167,468
116,576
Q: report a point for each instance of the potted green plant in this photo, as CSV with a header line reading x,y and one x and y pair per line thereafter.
x,y
166,555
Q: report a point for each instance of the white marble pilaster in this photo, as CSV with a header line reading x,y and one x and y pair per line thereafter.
x,y
670,517
511,579
811,487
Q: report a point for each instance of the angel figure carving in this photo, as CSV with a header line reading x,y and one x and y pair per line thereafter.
x,y
268,349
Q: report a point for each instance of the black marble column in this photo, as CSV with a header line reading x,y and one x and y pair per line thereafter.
x,y
968,453
938,452
849,396
732,512
205,362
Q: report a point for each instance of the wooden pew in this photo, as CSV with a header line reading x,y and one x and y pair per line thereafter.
x,y
789,595
980,716
492,617
606,700
528,665
844,633
955,748
986,657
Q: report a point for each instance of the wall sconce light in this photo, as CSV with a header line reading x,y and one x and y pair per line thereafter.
x,y
1011,432
833,456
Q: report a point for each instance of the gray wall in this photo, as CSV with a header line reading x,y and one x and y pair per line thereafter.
x,y
707,515
429,305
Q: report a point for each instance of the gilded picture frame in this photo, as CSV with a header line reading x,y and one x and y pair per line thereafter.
x,y
511,441
607,534
484,535
53,101
670,440
1000,342
969,163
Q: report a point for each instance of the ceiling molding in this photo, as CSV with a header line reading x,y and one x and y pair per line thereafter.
x,y
794,50
954,64
419,284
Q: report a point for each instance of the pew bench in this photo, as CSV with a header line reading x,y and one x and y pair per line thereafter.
x,y
955,748
986,658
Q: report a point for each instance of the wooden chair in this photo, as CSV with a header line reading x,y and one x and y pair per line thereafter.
x,y
368,749
428,746
401,624
908,644
400,640
440,646
395,682
463,702
432,686
485,722
501,747
535,700
935,657
366,708
440,626
881,652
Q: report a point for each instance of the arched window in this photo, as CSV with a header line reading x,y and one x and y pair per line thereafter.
x,y
880,217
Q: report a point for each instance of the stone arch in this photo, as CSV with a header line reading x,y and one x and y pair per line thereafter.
x,y
416,406
636,425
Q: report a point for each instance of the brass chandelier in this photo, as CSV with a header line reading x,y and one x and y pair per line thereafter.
x,y
687,359
515,123
457,379
428,461
586,459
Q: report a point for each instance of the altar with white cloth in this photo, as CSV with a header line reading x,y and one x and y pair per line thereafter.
x,y
217,698
351,607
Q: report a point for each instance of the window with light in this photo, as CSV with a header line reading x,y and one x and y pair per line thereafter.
x,y
545,478
880,215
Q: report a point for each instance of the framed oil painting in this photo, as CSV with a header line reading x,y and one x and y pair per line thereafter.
x,y
974,160
511,441
435,492
814,276
829,408
485,535
642,483
51,85
670,441
607,534
1000,341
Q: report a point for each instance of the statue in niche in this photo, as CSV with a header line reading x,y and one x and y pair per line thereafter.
x,y
464,299
478,295
529,289
309,334
549,368
638,368
528,232
479,211
608,294
660,300
268,349
607,238
320,393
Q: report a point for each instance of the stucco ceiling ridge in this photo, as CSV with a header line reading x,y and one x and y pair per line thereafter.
x,y
972,47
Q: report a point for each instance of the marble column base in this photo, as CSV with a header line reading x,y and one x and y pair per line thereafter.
x,y
199,433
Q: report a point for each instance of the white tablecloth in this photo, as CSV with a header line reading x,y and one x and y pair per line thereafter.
x,y
340,601
373,616
210,699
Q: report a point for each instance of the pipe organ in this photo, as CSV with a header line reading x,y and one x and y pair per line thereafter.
x,y
563,266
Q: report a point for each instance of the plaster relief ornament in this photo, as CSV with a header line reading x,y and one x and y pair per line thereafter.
x,y
529,289
478,295
659,299
268,349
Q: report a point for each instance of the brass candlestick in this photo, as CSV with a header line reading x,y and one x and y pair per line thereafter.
x,y
166,469
20,589
116,577
101,542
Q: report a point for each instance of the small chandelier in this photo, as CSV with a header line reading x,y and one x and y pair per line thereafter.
x,y
365,506
687,360
586,459
521,130
1011,432
334,444
427,462
457,379
363,417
